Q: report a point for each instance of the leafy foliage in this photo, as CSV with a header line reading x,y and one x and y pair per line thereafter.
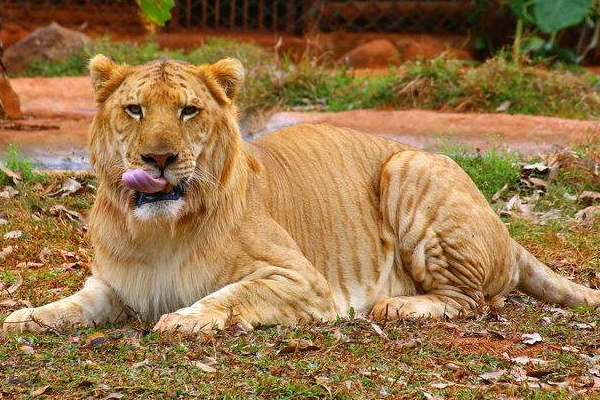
x,y
554,15
157,11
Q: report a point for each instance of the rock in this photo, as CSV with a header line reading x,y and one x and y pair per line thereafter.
x,y
50,43
10,106
373,54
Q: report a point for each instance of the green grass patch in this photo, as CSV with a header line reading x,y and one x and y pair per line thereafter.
x,y
17,162
490,170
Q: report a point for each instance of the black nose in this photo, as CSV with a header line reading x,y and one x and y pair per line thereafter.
x,y
160,161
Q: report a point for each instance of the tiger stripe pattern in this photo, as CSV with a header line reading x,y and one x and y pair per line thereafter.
x,y
304,224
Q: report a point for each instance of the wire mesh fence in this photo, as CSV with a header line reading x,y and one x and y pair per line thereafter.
x,y
293,16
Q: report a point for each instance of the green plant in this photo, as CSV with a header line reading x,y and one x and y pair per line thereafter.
x,y
548,19
16,161
157,11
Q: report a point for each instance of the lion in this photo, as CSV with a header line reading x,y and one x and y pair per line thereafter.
x,y
195,229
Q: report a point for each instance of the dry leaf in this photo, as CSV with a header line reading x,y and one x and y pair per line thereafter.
x,y
27,349
69,187
13,235
540,167
9,192
5,252
70,265
504,106
430,396
587,214
204,367
59,209
44,254
339,336
493,375
440,385
297,345
378,330
531,338
39,391
141,364
12,303
523,360
497,195
3,221
537,183
15,285
114,395
96,339
589,195
16,176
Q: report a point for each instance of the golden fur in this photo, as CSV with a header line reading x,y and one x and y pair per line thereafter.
x,y
303,224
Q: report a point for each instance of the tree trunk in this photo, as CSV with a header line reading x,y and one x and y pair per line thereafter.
x,y
10,106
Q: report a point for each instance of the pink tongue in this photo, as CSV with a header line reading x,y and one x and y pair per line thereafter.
x,y
140,180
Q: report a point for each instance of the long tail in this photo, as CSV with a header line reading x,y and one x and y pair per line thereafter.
x,y
541,282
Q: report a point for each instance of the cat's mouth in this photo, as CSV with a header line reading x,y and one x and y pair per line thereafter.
x,y
176,193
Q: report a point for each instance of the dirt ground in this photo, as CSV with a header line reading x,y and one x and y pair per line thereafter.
x,y
58,112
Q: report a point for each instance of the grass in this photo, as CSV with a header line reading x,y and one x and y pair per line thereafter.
x,y
349,358
316,84
15,161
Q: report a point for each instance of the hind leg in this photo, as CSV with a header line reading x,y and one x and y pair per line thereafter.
x,y
447,238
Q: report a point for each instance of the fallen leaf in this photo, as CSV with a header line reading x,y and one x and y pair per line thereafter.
x,y
297,345
440,385
497,195
430,396
587,214
595,372
582,325
96,339
540,167
589,195
114,395
3,221
339,336
12,303
27,349
69,187
70,265
378,330
523,360
5,252
16,176
204,367
504,106
13,235
531,338
141,364
59,210
8,192
537,183
15,285
39,391
493,375
44,254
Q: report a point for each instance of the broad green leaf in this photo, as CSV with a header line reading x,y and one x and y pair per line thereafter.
x,y
554,15
533,44
521,9
157,11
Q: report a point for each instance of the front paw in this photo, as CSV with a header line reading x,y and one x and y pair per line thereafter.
x,y
191,322
42,319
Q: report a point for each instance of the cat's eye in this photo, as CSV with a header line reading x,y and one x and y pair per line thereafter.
x,y
188,112
134,111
